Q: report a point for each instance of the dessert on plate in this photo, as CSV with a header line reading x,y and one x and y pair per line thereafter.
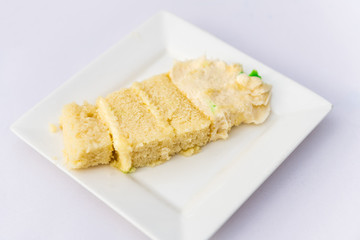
x,y
198,101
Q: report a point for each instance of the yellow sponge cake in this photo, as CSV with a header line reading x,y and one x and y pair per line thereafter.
x,y
198,101
192,127
139,138
87,141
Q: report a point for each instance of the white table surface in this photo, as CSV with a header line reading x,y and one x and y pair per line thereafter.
x,y
314,194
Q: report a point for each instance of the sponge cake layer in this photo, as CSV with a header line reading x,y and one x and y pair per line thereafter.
x,y
139,138
192,127
87,141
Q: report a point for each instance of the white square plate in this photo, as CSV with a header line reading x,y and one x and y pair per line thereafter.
x,y
185,198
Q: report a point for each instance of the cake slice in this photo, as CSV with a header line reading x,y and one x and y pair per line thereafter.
x,y
222,92
86,138
139,138
191,126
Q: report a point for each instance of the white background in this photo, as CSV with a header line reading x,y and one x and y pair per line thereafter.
x,y
314,194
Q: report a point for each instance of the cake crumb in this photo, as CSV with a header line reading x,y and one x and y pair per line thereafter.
x,y
53,128
191,151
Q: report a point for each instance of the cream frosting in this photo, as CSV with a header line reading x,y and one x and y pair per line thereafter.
x,y
223,92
